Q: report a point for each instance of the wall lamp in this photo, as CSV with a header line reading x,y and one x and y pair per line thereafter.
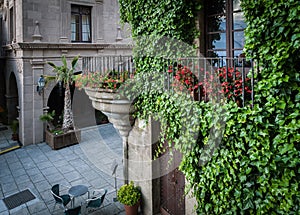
x,y
40,84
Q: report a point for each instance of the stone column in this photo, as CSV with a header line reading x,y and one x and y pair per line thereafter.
x,y
38,102
143,169
122,124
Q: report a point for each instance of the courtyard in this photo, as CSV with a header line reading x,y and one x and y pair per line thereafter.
x,y
37,168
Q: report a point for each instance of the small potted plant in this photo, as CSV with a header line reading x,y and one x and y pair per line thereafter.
x,y
130,195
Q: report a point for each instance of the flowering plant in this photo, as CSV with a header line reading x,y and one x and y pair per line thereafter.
x,y
111,80
184,77
233,84
225,81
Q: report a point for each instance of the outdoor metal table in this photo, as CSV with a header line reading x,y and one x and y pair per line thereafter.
x,y
78,190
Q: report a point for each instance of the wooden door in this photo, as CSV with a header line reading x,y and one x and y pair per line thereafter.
x,y
172,184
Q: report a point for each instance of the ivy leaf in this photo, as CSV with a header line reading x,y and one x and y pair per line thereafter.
x,y
281,104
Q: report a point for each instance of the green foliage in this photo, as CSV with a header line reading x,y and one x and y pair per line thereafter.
x,y
256,169
165,18
48,117
14,126
237,160
129,194
64,73
111,80
161,29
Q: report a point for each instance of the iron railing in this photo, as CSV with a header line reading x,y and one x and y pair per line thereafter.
x,y
215,78
107,64
204,78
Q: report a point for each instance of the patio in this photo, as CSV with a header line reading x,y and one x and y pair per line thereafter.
x,y
37,168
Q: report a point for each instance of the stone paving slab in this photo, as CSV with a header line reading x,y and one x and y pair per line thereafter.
x,y
37,167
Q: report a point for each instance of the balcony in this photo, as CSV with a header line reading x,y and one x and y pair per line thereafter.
x,y
203,78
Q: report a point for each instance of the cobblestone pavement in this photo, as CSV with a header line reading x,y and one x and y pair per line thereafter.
x,y
38,167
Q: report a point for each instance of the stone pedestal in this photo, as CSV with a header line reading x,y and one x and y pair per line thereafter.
x,y
118,110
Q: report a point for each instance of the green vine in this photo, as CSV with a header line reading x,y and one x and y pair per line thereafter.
x,y
237,160
256,169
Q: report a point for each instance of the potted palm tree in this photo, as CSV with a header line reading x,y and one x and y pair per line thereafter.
x,y
130,195
67,135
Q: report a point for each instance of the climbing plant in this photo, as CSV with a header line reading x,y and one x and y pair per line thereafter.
x,y
162,31
256,169
238,160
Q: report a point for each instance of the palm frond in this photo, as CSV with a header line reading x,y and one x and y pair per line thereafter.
x,y
64,61
74,62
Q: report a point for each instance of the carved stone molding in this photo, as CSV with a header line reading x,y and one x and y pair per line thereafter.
x,y
66,46
119,35
36,34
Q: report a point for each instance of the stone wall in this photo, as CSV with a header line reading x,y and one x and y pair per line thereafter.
x,y
54,17
42,34
143,170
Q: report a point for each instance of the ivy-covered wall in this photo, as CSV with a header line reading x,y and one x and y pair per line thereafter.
x,y
244,160
256,169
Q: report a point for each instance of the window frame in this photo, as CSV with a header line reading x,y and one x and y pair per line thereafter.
x,y
12,25
82,11
228,15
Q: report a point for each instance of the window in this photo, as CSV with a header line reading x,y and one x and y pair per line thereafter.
x,y
11,25
80,23
224,28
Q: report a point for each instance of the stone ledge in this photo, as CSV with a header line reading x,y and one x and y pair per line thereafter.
x,y
42,45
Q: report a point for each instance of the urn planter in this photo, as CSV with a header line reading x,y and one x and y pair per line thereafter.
x,y
117,108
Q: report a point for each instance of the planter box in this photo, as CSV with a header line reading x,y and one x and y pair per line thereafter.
x,y
63,140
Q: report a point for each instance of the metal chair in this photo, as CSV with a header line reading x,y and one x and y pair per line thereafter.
x,y
96,201
62,200
73,211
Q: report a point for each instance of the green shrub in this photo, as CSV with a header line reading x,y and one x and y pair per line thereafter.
x,y
129,194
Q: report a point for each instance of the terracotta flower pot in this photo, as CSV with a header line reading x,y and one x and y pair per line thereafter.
x,y
132,210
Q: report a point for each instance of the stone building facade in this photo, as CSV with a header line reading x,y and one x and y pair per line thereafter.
x,y
34,32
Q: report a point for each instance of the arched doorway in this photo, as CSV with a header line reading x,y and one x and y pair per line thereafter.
x,y
12,99
3,112
56,103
